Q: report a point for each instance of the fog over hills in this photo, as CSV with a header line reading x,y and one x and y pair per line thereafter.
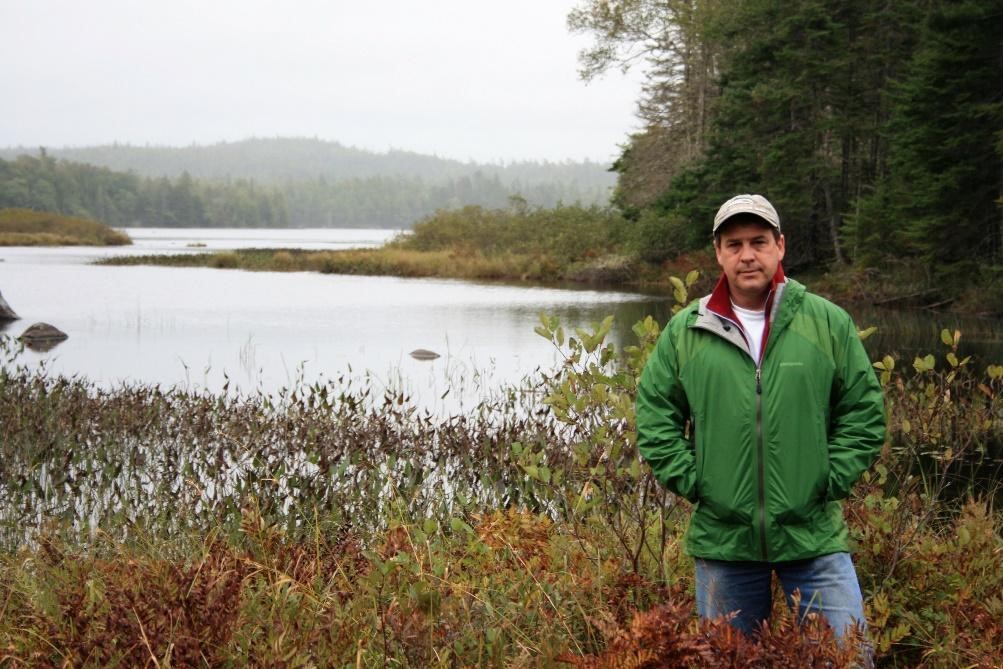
x,y
276,160
279,182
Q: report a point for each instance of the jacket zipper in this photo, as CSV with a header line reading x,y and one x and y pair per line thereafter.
x,y
760,455
761,464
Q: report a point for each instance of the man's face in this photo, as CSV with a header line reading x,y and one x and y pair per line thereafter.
x,y
749,255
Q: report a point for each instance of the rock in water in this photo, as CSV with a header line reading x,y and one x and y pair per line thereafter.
x,y
6,313
424,354
42,336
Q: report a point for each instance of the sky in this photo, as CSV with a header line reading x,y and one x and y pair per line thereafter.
x,y
483,80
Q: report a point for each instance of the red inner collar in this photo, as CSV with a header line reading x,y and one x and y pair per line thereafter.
x,y
720,298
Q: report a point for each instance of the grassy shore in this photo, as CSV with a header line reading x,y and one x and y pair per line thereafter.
x,y
575,244
25,227
583,245
335,525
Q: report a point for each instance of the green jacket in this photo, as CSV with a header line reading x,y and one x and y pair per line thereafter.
x,y
764,452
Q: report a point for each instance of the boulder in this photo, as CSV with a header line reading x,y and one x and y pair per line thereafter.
x,y
42,336
424,354
6,313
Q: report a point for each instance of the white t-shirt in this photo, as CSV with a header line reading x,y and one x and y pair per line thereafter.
x,y
753,322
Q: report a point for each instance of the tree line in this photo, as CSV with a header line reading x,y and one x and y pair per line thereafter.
x,y
876,128
389,201
124,199
279,160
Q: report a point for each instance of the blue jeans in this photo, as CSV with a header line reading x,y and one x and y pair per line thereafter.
x,y
828,585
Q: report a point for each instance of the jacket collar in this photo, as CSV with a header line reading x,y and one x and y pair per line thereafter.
x,y
719,304
720,297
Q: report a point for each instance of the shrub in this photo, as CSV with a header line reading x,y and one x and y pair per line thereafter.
x,y
282,261
29,227
224,260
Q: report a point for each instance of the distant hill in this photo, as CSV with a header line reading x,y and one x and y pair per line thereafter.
x,y
280,160
279,183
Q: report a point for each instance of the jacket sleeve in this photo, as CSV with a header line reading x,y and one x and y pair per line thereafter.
x,y
857,420
662,412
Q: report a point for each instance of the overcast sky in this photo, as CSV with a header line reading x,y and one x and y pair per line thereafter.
x,y
486,80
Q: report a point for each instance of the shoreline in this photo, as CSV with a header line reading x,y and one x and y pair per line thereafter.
x,y
609,272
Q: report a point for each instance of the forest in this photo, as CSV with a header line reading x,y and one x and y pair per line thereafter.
x,y
278,183
282,159
875,128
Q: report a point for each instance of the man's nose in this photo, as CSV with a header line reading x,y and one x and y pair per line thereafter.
x,y
747,253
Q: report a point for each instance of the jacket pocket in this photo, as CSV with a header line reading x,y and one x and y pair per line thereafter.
x,y
807,499
725,514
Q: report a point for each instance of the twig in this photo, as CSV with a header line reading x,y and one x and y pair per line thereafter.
x,y
146,642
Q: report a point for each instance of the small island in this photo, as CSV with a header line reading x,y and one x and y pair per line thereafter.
x,y
26,227
568,244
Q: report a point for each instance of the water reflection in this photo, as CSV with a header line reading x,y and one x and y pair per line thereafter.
x,y
908,333
249,331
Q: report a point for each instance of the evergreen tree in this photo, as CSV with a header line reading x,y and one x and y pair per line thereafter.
x,y
940,200
797,118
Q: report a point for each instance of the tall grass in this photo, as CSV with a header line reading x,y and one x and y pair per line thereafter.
x,y
25,227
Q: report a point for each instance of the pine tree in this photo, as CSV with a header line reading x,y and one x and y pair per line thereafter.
x,y
940,201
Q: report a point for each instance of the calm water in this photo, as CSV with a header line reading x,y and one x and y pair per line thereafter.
x,y
198,328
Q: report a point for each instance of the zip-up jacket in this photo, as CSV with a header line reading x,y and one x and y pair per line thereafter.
x,y
764,449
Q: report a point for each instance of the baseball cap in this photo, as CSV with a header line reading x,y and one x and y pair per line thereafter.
x,y
747,204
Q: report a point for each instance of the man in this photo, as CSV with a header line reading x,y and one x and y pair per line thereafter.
x,y
760,406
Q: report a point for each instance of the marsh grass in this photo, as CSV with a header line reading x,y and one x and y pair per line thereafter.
x,y
25,227
568,243
338,525
387,261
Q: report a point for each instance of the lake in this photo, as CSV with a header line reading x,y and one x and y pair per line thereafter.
x,y
201,328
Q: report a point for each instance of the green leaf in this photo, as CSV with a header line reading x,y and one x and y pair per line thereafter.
x,y
864,334
692,277
459,526
924,364
945,336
